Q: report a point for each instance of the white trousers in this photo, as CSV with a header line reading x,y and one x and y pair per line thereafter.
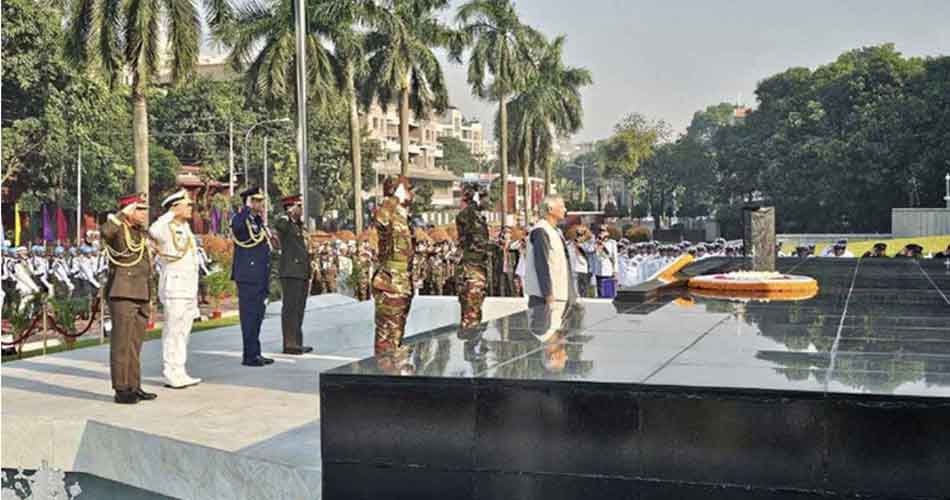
x,y
179,316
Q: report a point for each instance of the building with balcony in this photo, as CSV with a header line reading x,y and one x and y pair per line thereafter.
x,y
470,131
424,150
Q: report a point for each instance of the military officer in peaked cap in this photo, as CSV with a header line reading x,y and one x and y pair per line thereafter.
x,y
294,273
177,285
130,265
251,271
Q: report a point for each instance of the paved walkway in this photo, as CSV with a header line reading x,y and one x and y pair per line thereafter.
x,y
243,433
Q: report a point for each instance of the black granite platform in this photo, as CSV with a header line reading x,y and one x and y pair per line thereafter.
x,y
844,395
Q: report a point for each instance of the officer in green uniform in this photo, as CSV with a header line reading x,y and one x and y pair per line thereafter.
x,y
392,283
476,247
294,271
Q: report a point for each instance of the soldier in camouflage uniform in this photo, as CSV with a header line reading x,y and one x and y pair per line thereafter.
x,y
329,271
316,277
453,270
420,267
476,247
392,283
437,270
364,266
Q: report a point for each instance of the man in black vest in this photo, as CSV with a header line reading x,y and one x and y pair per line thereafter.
x,y
294,273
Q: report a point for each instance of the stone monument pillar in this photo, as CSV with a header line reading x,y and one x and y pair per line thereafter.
x,y
759,236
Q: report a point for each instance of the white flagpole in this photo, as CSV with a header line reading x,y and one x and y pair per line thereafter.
x,y
79,196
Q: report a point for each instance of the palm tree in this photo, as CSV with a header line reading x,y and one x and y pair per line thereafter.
x,y
500,44
548,107
262,43
120,39
402,65
339,21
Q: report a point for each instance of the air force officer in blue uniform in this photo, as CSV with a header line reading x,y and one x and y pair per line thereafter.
x,y
251,270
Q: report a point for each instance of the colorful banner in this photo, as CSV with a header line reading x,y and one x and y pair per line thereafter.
x,y
48,234
16,225
62,227
215,220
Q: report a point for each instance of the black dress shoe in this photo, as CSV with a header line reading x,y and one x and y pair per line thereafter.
x,y
126,397
298,350
258,361
145,396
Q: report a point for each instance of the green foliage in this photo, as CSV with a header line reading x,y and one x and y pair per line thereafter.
x,y
67,309
50,110
220,285
836,148
422,197
633,142
456,156
19,319
547,107
579,206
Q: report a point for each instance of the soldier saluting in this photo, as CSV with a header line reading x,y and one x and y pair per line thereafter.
x,y
130,265
251,271
392,284
177,286
476,251
294,273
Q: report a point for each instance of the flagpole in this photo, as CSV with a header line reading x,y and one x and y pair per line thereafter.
x,y
79,196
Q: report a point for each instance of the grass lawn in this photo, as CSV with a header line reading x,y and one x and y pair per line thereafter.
x,y
931,244
153,334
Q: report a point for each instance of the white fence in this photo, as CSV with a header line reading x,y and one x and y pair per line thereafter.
x,y
914,222
443,217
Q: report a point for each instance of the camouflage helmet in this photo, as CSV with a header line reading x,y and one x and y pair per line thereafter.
x,y
392,183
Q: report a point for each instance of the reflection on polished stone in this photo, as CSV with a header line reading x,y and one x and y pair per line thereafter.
x,y
888,334
771,396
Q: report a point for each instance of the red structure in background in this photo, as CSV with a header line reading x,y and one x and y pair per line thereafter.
x,y
202,191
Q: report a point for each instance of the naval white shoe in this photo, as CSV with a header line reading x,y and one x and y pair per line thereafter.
x,y
191,380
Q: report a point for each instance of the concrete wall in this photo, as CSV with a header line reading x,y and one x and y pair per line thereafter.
x,y
913,222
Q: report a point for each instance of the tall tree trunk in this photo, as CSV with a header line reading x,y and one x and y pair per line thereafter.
x,y
355,152
526,184
140,137
503,153
404,130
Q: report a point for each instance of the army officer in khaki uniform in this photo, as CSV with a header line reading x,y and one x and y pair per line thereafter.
x,y
130,264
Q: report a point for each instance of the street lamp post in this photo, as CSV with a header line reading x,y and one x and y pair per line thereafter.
x,y
947,197
583,187
247,138
300,22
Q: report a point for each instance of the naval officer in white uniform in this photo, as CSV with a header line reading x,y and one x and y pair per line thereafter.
x,y
177,285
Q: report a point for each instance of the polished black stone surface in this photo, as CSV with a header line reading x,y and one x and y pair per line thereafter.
x,y
847,392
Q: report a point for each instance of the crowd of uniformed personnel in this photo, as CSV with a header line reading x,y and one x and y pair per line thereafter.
x,y
404,262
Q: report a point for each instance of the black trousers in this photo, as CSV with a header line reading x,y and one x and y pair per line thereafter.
x,y
291,313
583,284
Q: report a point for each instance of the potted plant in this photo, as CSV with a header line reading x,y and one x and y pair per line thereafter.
x,y
65,312
16,321
219,287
